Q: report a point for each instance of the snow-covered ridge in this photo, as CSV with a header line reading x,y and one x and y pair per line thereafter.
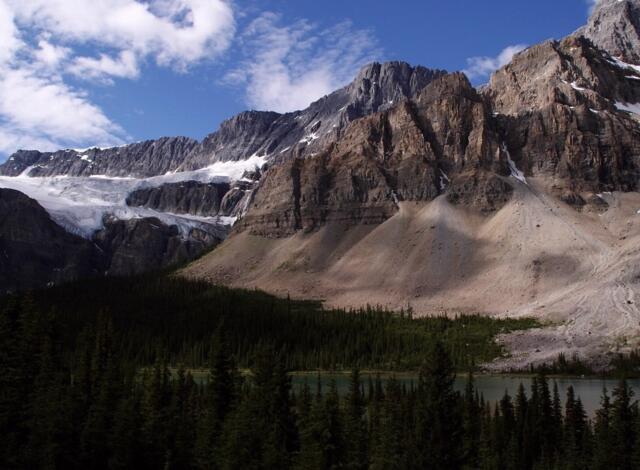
x,y
80,203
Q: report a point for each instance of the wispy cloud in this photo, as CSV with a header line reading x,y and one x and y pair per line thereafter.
x,y
286,67
43,42
105,67
482,67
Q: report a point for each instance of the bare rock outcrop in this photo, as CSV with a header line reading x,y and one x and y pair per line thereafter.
x,y
138,245
189,197
614,27
35,251
560,109
411,152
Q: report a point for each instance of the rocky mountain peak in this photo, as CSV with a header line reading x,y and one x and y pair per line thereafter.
x,y
303,133
615,27
263,133
381,85
572,73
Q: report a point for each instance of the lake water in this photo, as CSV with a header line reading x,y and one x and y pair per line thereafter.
x,y
492,387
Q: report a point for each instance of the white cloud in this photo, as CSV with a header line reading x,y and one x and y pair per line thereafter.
x,y
50,55
105,67
481,67
9,42
37,111
286,67
174,32
42,42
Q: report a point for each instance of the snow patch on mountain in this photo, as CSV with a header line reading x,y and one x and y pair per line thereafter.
x,y
515,172
80,203
633,108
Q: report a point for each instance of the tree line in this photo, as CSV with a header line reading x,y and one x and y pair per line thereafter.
x,y
95,409
154,313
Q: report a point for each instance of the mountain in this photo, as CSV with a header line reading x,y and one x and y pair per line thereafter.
x,y
407,186
519,199
265,134
35,251
151,204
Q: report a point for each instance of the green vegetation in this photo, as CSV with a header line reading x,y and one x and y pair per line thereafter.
x,y
621,366
97,412
178,317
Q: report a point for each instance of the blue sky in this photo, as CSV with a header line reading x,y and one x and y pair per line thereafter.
x,y
75,73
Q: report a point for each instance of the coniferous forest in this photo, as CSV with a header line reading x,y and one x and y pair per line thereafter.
x,y
86,383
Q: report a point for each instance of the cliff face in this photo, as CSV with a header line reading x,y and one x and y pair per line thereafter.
x,y
190,197
35,251
561,107
139,245
411,152
520,198
614,27
139,160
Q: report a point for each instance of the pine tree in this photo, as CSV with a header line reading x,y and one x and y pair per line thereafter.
x,y
104,392
471,425
313,432
391,450
221,393
334,445
521,458
438,427
602,434
49,413
156,401
183,417
126,436
11,384
355,426
622,427
282,438
575,432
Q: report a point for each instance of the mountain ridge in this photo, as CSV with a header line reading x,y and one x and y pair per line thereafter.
x,y
261,133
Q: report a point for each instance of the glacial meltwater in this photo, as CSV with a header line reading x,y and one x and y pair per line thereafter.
x,y
492,387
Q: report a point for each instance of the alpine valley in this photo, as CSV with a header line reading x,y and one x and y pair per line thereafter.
x,y
408,187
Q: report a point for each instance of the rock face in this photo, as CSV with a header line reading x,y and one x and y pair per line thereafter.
x,y
520,198
301,133
35,251
138,245
407,153
139,160
190,197
560,111
615,27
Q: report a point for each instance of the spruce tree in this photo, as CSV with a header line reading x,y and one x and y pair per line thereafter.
x,y
438,427
622,427
355,426
602,434
221,392
334,442
471,425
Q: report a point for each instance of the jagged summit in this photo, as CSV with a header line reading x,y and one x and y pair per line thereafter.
x,y
615,27
263,133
